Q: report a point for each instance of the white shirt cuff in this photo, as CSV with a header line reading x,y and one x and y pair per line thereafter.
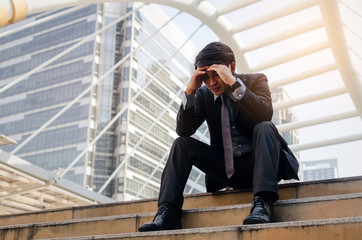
x,y
239,93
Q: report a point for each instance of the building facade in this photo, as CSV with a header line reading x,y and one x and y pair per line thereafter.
x,y
320,169
142,94
137,143
284,115
25,107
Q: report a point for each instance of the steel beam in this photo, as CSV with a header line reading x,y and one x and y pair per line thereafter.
x,y
307,123
309,98
135,97
334,29
325,143
51,120
45,19
290,56
12,11
303,75
233,6
280,36
292,7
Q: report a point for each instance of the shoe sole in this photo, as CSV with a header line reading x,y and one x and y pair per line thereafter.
x,y
254,221
146,229
151,229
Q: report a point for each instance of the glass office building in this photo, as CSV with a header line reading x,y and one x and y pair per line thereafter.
x,y
26,106
138,142
284,115
320,169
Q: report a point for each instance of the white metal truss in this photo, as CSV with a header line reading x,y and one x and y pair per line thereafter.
x,y
35,70
26,187
160,115
215,17
4,140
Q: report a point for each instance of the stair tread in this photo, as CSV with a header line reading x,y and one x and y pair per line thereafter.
x,y
238,228
210,216
189,211
287,191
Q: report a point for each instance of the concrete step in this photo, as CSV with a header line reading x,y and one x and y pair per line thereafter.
x,y
286,191
336,229
328,207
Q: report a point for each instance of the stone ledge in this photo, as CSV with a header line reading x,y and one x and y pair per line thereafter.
x,y
297,186
237,228
188,211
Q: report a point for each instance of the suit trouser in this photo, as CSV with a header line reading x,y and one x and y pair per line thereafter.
x,y
258,169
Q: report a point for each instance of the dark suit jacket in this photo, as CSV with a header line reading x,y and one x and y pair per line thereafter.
x,y
255,107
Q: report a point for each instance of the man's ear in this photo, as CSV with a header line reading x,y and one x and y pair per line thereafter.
x,y
232,66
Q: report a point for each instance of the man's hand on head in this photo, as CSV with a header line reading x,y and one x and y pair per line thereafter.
x,y
224,72
196,80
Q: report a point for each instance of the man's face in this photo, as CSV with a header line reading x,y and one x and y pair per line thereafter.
x,y
214,83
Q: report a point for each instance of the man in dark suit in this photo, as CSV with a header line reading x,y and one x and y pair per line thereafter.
x,y
245,151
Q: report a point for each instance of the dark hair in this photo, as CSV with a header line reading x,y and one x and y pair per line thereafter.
x,y
214,53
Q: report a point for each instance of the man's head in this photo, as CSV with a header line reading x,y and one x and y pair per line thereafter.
x,y
214,53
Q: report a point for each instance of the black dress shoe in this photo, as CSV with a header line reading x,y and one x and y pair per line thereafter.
x,y
167,218
260,212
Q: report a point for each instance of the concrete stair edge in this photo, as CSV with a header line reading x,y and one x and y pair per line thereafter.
x,y
190,196
187,211
280,202
238,228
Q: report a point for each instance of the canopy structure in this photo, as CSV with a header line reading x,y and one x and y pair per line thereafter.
x,y
336,19
261,33
26,187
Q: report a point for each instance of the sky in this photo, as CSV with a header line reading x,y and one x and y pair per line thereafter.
x,y
348,154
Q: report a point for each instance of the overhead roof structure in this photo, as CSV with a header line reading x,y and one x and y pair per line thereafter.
x,y
294,20
310,47
26,187
4,140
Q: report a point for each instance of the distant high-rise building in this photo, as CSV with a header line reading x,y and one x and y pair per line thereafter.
x,y
284,115
319,169
138,142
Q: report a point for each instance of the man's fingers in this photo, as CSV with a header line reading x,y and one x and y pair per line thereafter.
x,y
198,73
214,67
202,68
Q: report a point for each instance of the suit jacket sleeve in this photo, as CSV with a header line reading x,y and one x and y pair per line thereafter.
x,y
190,119
256,104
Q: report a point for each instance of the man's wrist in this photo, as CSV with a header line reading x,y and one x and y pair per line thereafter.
x,y
190,91
232,81
235,85
188,101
